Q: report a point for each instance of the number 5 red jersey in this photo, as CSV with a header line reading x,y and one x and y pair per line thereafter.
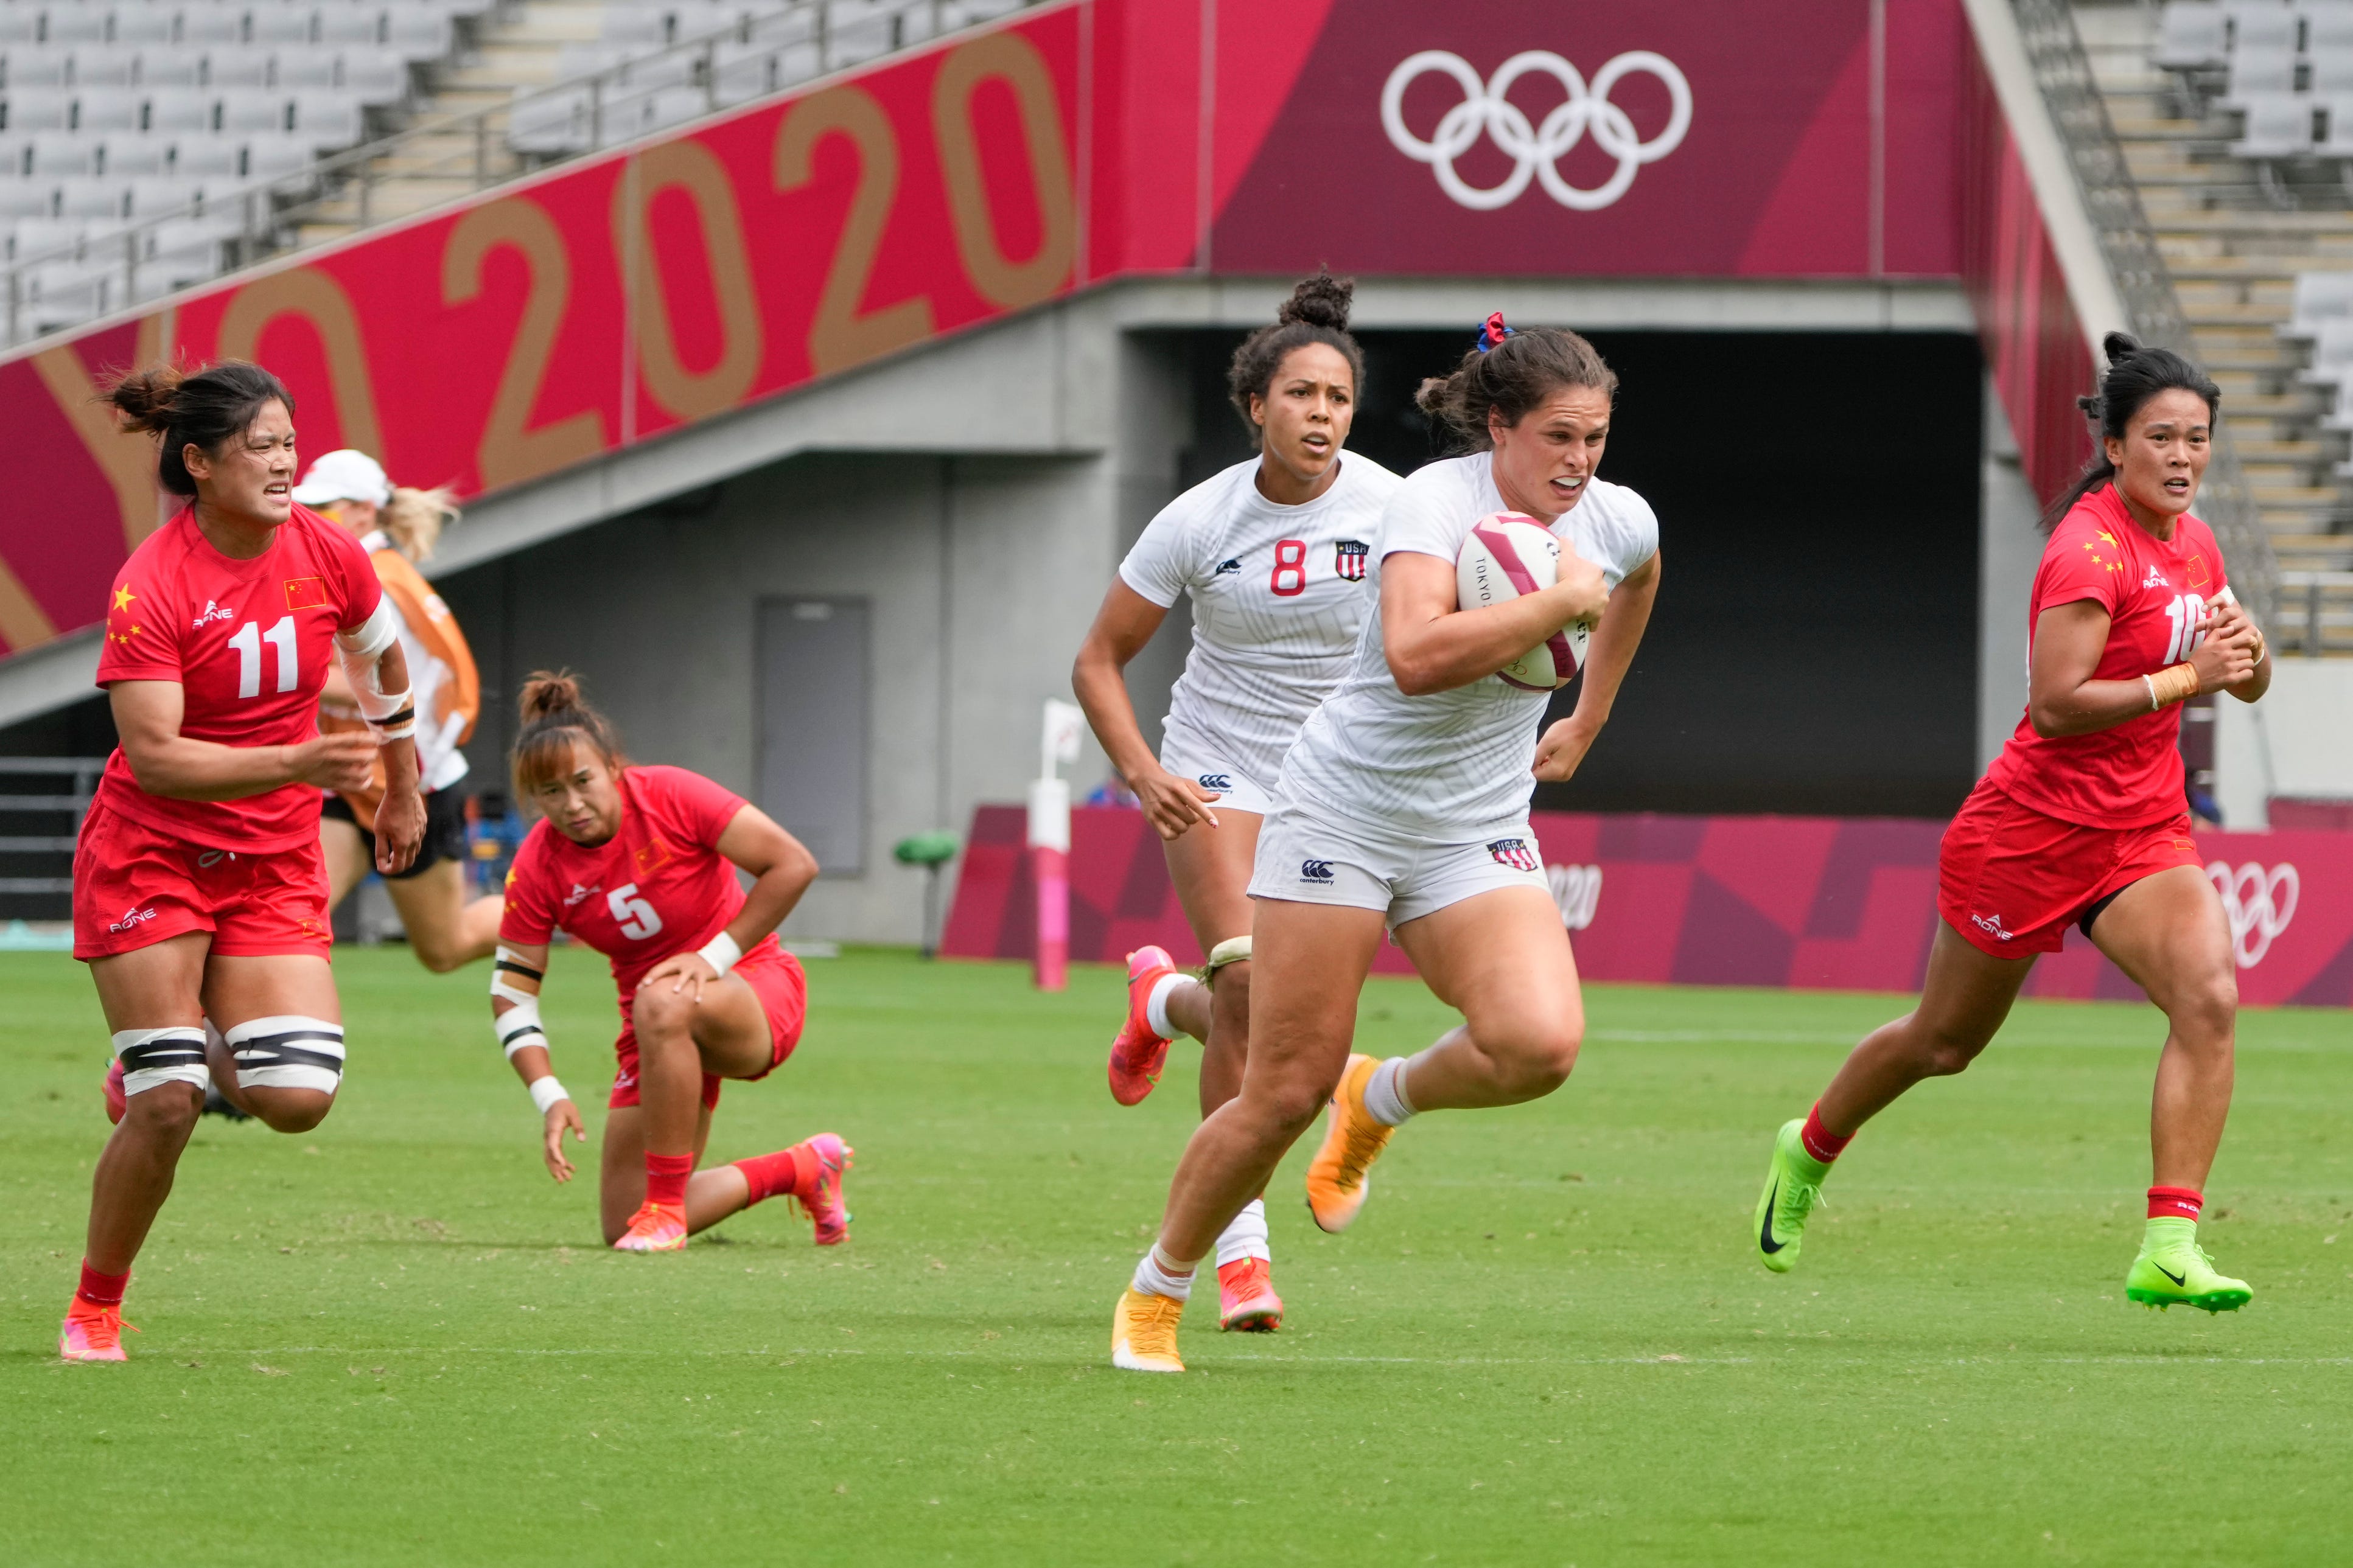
x,y
249,642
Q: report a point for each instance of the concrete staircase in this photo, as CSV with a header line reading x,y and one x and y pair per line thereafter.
x,y
517,47
2234,253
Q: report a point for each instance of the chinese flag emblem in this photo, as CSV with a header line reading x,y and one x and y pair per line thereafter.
x,y
306,593
2196,572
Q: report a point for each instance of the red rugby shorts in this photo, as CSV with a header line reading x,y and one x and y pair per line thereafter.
x,y
135,886
2011,879
775,978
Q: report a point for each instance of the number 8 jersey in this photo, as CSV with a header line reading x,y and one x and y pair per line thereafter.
x,y
2155,592
1279,593
249,642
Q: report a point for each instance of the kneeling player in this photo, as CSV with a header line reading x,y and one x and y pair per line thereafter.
x,y
639,863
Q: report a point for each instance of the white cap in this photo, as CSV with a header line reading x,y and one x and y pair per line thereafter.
x,y
348,474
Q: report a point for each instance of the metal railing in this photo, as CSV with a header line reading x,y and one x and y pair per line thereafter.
x,y
83,772
2128,244
658,90
2307,603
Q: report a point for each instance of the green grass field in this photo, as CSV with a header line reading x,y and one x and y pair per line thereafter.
x,y
1546,1341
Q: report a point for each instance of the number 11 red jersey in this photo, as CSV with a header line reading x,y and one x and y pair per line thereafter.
x,y
249,642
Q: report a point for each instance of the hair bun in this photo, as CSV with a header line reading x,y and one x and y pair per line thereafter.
x,y
549,692
1322,301
2119,347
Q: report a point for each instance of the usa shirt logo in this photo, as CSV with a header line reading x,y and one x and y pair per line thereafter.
x,y
1349,558
1513,852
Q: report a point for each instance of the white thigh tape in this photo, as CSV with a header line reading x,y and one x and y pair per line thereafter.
x,y
150,1057
288,1052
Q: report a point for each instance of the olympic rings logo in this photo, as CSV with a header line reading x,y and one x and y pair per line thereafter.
x,y
2259,903
1536,150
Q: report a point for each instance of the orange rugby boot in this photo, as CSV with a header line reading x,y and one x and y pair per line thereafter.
x,y
1338,1177
92,1333
655,1227
1143,1332
117,1102
1246,1300
821,1198
1138,1054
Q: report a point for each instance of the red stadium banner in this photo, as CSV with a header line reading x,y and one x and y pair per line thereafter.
x,y
616,298
1810,903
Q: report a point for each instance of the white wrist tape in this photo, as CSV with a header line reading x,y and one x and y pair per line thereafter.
x,y
721,952
546,1091
519,1026
390,715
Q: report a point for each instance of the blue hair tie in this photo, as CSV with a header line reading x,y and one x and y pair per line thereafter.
x,y
1492,331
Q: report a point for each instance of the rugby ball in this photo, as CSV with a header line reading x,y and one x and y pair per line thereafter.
x,y
1504,556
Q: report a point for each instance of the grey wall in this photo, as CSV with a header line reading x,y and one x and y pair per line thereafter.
x,y
983,574
2009,548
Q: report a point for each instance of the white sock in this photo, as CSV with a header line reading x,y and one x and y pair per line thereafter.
x,y
1385,1098
1156,1006
1153,1277
1246,1237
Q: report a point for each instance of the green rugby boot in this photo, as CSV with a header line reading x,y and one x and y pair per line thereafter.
x,y
1792,1187
2174,1270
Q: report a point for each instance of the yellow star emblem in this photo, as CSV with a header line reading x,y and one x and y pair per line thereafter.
x,y
122,597
2106,535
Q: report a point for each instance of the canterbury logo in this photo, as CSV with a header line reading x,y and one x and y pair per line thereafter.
x,y
2259,903
1217,781
1315,871
1536,149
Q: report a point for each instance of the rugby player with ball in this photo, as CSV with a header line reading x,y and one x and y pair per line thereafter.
x,y
1404,803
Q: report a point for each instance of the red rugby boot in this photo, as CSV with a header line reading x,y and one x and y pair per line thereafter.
x,y
1138,1054
820,1195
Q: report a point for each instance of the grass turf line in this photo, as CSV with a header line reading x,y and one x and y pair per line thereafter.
x,y
1547,1340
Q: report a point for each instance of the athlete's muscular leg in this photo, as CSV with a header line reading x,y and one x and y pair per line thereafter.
x,y
445,930
680,1040
238,990
347,858
153,987
1312,962
1503,959
1210,868
2169,932
1967,996
621,1184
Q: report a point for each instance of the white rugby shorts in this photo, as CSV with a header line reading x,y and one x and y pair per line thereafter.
x,y
1237,791
1310,858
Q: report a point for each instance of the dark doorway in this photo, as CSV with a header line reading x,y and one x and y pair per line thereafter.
x,y
1815,645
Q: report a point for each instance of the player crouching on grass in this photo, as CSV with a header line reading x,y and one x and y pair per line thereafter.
x,y
2080,821
198,884
639,863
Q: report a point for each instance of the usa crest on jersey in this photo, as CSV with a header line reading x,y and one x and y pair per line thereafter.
x,y
1350,557
1515,853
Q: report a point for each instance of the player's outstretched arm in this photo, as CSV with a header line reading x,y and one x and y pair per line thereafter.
x,y
2061,698
376,668
1433,646
147,715
515,980
1608,656
1123,625
782,868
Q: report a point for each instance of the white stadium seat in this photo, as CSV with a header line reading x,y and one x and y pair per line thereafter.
x,y
664,70
273,24
115,68
327,118
20,25
176,111
132,157
640,27
40,238
2263,25
2332,355
2279,125
37,109
232,69
673,106
251,111
58,155
203,27
416,35
141,27
170,68
37,65
93,200
372,78
2327,24
77,24
24,199
2190,36
2263,71
549,125
153,196
209,158
104,110
2336,141
351,25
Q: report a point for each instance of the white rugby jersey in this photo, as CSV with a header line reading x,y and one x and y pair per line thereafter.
x,y
1279,592
1452,763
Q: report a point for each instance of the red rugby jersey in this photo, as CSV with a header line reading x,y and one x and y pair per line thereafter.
x,y
2155,592
249,642
658,886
